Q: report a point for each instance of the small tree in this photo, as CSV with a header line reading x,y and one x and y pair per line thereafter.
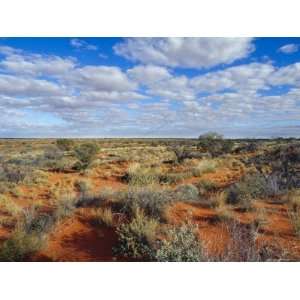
x,y
85,153
211,136
65,144
214,143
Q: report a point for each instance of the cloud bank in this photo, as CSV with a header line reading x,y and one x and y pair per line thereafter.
x,y
42,95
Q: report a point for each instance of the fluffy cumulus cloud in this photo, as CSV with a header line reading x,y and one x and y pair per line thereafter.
x,y
101,78
148,74
250,77
76,97
289,48
17,62
185,52
42,95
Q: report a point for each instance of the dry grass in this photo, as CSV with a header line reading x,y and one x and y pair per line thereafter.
x,y
219,201
9,207
293,199
140,175
154,182
294,216
203,167
102,216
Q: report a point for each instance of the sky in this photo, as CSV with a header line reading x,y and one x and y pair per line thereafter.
x,y
149,87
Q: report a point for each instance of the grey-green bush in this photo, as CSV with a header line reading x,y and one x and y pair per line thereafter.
x,y
181,245
136,239
187,192
151,200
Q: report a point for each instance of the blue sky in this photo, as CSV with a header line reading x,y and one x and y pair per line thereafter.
x,y
149,87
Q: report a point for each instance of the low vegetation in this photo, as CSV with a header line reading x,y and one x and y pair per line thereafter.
x,y
102,217
205,199
180,245
136,238
85,154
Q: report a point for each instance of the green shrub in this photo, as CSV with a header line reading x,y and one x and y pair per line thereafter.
x,y
239,194
35,223
151,200
187,192
136,239
14,174
257,185
250,188
214,144
85,153
20,246
28,237
58,165
65,144
180,245
53,153
181,153
205,186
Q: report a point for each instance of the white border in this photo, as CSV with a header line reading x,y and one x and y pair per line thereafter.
x,y
149,18
139,280
151,281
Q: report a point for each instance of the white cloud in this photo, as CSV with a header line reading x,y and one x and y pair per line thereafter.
x,y
185,52
101,78
6,50
144,100
175,88
287,75
148,74
160,82
22,87
289,48
60,87
250,77
82,44
96,96
36,65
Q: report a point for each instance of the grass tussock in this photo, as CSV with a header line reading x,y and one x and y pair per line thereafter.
x,y
294,216
292,198
218,201
29,236
65,206
102,217
204,166
8,206
138,175
20,246
174,178
152,200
